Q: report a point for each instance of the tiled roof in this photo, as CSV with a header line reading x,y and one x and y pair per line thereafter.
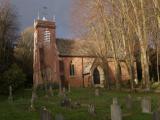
x,y
80,48
68,47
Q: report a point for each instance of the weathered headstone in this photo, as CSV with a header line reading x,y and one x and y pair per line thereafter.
x,y
156,115
115,110
64,92
64,89
66,102
136,81
96,92
129,102
75,105
69,88
146,105
91,109
59,117
50,90
45,114
10,97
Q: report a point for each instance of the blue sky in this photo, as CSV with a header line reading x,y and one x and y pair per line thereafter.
x,y
61,9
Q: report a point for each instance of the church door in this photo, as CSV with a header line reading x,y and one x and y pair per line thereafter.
x,y
96,76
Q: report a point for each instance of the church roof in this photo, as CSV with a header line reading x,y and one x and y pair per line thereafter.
x,y
76,48
80,48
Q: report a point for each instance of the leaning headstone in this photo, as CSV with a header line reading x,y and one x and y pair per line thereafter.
x,y
59,117
115,110
96,92
156,115
10,97
129,102
146,105
45,114
91,109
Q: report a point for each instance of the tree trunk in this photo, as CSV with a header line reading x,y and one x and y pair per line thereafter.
x,y
106,75
158,64
33,98
145,69
117,74
130,67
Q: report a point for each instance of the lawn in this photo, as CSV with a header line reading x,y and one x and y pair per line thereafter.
x,y
18,110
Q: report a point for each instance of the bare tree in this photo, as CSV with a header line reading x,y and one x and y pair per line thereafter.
x,y
157,39
8,32
101,28
121,28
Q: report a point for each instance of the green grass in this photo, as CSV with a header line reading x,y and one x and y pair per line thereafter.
x,y
18,110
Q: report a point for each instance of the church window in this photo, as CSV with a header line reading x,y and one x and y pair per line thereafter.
x,y
72,69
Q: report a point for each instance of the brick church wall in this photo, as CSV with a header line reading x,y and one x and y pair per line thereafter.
x,y
52,58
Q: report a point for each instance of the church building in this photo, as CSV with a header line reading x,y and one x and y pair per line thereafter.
x,y
67,61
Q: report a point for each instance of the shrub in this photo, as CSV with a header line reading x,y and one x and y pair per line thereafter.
x,y
155,86
14,76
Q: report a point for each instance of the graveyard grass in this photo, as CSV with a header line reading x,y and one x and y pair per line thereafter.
x,y
19,109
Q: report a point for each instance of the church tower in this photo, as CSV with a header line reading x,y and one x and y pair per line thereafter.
x,y
45,57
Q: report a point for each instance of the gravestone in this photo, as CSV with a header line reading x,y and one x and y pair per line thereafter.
x,y
115,110
75,105
64,90
59,117
96,92
50,90
146,105
156,115
129,102
45,114
69,88
66,102
91,109
10,97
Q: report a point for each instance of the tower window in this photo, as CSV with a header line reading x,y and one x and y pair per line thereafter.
x,y
72,70
47,36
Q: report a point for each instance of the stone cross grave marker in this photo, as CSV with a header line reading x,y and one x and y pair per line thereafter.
x,y
146,105
129,102
45,114
115,110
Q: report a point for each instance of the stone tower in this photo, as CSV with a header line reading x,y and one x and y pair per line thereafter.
x,y
45,57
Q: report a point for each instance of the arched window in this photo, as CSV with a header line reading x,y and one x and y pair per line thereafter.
x,y
72,70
